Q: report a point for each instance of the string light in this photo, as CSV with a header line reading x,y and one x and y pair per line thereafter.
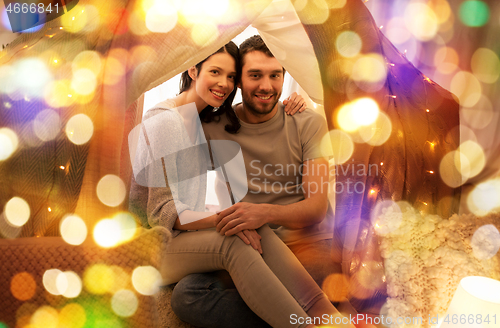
x,y
431,172
62,167
427,110
381,163
49,209
381,26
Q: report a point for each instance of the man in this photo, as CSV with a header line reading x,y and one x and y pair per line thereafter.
x,y
287,177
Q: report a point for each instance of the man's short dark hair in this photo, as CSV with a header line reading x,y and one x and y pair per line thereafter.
x,y
254,43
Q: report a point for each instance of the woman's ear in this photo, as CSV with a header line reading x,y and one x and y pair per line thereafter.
x,y
193,72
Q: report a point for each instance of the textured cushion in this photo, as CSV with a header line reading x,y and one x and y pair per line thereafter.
x,y
25,260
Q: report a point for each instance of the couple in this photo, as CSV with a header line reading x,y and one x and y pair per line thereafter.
x,y
282,160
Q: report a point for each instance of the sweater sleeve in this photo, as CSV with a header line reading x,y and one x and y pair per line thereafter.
x,y
164,207
156,201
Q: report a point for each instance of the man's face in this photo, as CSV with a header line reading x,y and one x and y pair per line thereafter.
x,y
261,84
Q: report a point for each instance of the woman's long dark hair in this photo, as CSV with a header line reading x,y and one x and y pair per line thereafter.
x,y
208,115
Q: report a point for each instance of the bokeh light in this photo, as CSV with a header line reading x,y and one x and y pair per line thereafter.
x,y
480,115
76,20
79,129
87,60
161,17
62,283
124,303
31,76
7,73
8,143
467,88
474,13
371,276
454,169
336,287
466,133
122,279
396,31
72,315
128,226
475,156
341,145
107,233
314,12
73,230
485,65
204,34
17,211
113,72
141,54
377,133
137,24
360,112
59,94
348,44
485,198
69,284
442,10
111,190
146,280
485,242
84,82
98,279
45,316
93,18
421,21
386,217
23,286
49,281
47,125
446,60
370,68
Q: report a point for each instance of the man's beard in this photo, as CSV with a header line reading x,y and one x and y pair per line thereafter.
x,y
259,113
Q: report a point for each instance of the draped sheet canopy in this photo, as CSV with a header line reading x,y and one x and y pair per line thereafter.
x,y
57,176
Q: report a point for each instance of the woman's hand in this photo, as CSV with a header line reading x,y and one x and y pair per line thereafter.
x,y
251,237
294,103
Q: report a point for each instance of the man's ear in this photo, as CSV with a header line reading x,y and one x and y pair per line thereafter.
x,y
193,72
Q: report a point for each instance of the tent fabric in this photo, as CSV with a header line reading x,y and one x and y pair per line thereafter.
x,y
149,59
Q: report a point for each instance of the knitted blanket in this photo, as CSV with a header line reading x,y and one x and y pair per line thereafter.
x,y
426,257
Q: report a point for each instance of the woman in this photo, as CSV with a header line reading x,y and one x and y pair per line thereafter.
x,y
274,285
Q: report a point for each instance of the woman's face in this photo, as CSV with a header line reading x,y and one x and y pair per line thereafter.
x,y
216,79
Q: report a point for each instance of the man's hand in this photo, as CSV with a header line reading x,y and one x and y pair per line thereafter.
x,y
241,216
294,103
251,237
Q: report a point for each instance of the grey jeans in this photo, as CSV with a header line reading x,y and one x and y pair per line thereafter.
x,y
274,285
211,300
